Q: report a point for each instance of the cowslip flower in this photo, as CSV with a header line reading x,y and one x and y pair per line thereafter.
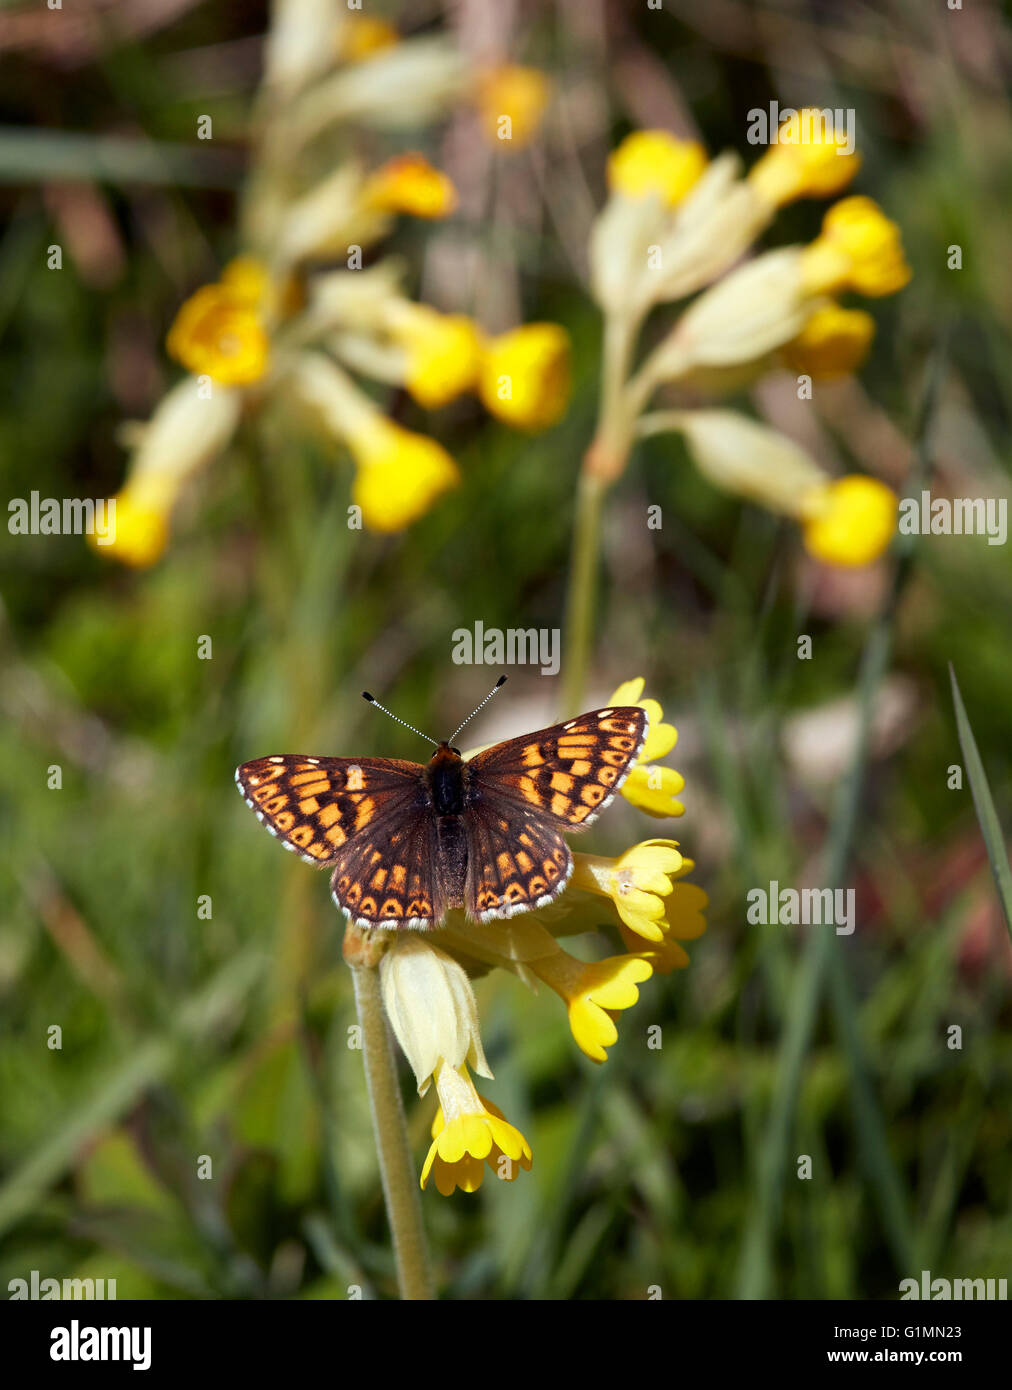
x,y
683,920
809,160
192,425
425,981
834,342
525,375
218,332
654,162
468,1133
859,249
637,883
442,352
651,788
511,102
408,183
849,521
430,1003
593,993
845,521
400,474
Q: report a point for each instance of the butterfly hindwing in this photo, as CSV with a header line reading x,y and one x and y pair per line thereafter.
x,y
515,862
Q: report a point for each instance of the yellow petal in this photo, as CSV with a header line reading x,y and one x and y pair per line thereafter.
x,y
851,521
628,693
654,790
410,184
859,249
834,342
400,476
525,375
655,162
216,333
511,102
808,160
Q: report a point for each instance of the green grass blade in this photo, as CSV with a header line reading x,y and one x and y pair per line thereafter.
x,y
983,801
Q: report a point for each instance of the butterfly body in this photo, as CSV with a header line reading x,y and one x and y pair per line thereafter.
x,y
407,842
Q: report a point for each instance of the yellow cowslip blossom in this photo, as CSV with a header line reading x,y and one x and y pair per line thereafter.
x,y
408,183
652,789
218,333
683,920
192,424
834,342
431,1007
251,281
655,162
468,1133
511,101
525,375
442,351
142,527
849,521
858,249
400,474
809,160
361,36
593,993
248,279
637,883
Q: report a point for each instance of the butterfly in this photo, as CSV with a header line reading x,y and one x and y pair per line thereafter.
x,y
408,842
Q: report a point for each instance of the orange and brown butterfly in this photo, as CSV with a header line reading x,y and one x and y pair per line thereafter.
x,y
407,842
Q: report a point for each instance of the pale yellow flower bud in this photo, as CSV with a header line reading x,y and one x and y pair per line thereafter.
x,y
431,1007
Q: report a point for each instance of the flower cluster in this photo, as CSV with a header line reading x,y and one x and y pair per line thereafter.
x,y
426,977
677,225
297,317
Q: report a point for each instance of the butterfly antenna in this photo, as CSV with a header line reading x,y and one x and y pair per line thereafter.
x,y
373,701
498,686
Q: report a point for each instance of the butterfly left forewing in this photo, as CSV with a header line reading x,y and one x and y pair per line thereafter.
x,y
315,806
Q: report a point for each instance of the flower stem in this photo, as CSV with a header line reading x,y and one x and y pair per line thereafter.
x,y
397,1172
582,591
602,464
